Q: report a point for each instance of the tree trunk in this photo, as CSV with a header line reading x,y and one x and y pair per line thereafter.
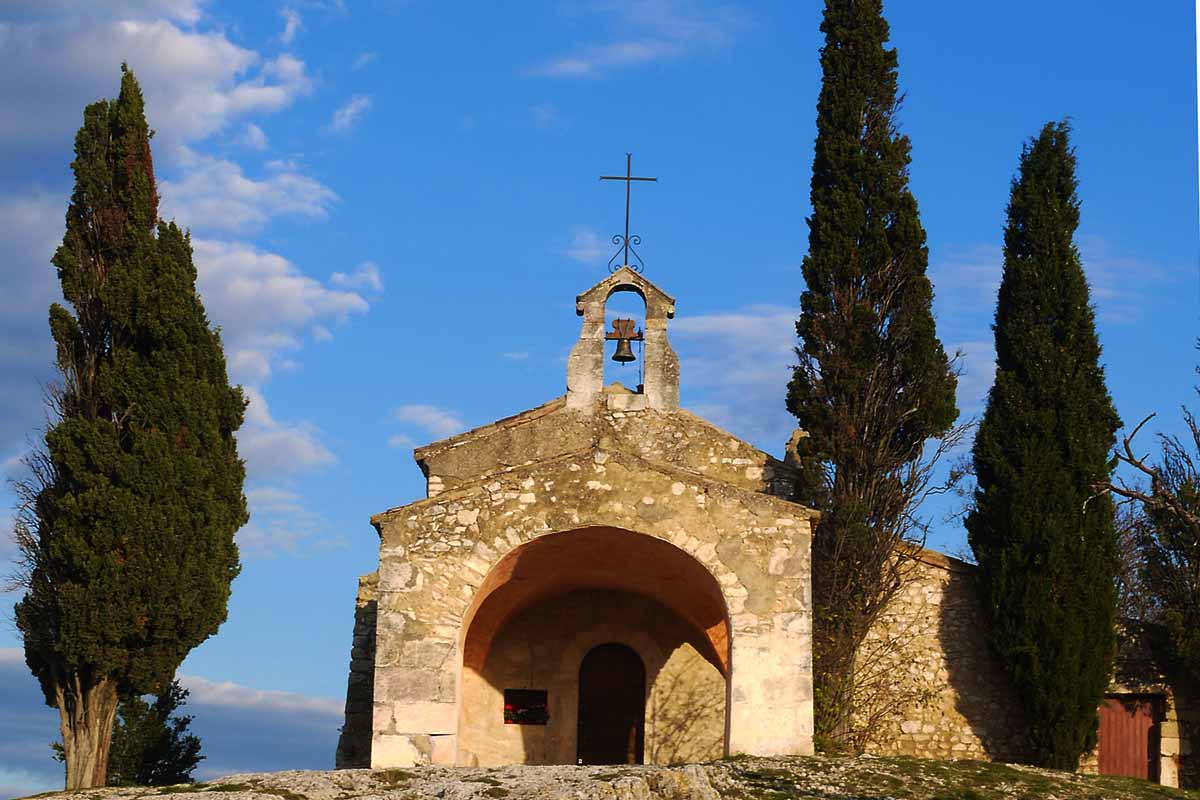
x,y
86,713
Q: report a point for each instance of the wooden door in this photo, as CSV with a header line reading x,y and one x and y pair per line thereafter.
x,y
1129,736
612,706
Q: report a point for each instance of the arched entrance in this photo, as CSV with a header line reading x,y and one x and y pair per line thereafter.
x,y
612,706
583,615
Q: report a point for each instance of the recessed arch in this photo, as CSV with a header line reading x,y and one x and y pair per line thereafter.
x,y
597,558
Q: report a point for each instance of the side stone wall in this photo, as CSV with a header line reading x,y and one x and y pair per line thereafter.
x,y
949,696
354,743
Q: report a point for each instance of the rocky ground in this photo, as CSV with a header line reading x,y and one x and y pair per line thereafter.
x,y
828,777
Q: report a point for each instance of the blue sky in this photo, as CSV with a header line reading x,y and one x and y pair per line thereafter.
x,y
394,202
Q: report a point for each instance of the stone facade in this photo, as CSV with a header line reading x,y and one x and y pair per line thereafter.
x,y
605,516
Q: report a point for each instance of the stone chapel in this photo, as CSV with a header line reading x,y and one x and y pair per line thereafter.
x,y
606,578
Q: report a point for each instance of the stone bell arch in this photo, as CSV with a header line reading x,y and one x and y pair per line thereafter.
x,y
605,516
585,365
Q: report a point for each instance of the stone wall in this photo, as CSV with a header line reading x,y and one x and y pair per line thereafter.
x,y
354,743
955,701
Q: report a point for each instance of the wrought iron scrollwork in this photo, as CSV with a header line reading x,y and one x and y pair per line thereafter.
x,y
625,247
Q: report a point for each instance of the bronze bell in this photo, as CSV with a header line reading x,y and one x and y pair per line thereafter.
x,y
624,353
624,331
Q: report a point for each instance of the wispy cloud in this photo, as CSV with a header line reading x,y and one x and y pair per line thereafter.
x,y
546,116
252,137
647,31
363,59
735,367
439,422
586,246
292,25
400,440
244,729
365,276
349,113
227,694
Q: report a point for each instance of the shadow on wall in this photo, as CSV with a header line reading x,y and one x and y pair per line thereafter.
x,y
685,715
982,693
354,743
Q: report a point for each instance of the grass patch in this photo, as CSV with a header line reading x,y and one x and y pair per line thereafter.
x,y
495,791
490,781
393,777
286,794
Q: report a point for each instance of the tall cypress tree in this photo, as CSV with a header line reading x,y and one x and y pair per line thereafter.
x,y
873,382
1044,541
127,530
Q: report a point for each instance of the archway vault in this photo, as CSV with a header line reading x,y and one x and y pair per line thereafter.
x,y
598,557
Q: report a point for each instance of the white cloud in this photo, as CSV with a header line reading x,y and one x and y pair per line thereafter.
x,y
272,448
8,545
195,82
587,246
365,276
735,367
243,729
292,24
1120,282
978,371
226,694
648,31
363,59
263,303
400,440
31,227
189,11
348,114
215,194
252,137
280,524
437,421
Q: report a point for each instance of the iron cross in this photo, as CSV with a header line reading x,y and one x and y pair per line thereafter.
x,y
629,178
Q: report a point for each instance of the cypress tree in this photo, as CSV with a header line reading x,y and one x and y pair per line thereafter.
x,y
127,529
1043,538
151,745
873,382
